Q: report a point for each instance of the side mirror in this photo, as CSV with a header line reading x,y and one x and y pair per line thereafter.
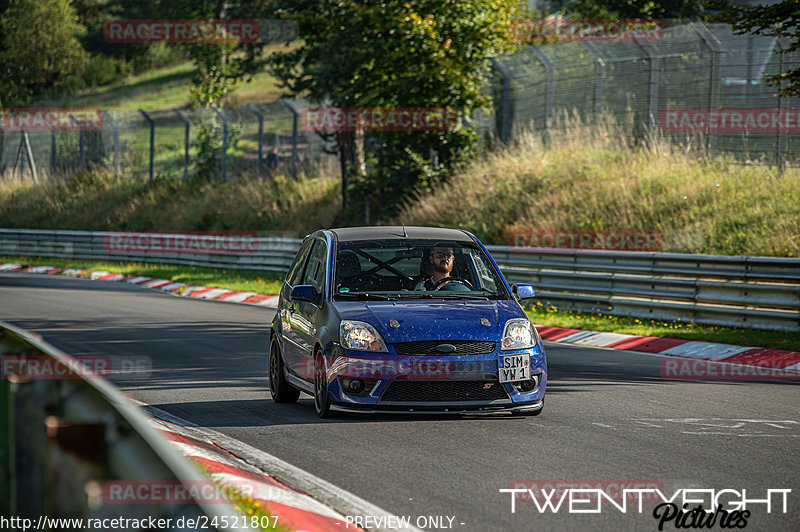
x,y
523,291
305,292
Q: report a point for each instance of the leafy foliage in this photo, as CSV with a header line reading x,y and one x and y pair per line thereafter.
x,y
395,53
39,49
777,20
637,9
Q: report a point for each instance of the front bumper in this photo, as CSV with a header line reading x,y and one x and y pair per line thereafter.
x,y
473,380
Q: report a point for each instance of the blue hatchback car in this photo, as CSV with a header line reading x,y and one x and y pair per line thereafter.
x,y
404,319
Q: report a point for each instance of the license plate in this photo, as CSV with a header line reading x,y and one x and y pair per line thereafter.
x,y
512,368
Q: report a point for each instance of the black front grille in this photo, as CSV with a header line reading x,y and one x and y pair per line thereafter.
x,y
463,347
412,391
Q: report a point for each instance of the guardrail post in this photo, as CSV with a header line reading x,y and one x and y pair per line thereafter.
x,y
260,136
187,125
152,140
548,100
505,126
115,125
295,115
224,120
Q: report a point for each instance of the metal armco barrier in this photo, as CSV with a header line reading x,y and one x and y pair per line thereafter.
x,y
66,437
756,292
269,253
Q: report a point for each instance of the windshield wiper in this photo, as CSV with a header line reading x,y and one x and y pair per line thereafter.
x,y
440,295
364,295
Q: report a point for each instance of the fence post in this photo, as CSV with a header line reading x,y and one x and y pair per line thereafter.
x,y
505,128
187,124
548,99
260,136
152,140
115,125
53,153
599,73
781,108
80,141
713,44
654,62
295,115
224,158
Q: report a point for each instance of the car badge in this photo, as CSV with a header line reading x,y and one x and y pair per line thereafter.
x,y
393,324
445,348
485,322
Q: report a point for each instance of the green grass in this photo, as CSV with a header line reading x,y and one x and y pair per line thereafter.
x,y
163,88
544,314
93,201
260,282
540,313
591,179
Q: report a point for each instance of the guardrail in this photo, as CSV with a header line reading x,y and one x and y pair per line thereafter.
x,y
267,253
67,435
757,292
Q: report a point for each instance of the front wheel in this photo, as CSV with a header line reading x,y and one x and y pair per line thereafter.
x,y
281,391
322,403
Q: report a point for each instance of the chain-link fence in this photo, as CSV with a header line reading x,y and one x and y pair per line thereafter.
x,y
697,84
263,139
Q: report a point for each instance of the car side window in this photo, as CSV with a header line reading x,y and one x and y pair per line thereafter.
x,y
296,269
315,267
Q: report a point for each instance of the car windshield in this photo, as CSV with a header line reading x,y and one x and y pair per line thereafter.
x,y
415,269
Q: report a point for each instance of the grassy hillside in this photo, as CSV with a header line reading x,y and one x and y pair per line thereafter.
x,y
589,180
584,180
163,88
101,202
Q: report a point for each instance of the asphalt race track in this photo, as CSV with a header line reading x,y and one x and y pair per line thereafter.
x,y
609,417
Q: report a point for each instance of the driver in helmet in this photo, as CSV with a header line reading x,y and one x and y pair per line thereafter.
x,y
442,259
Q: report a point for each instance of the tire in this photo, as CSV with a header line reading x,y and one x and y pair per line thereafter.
x,y
531,413
322,403
281,391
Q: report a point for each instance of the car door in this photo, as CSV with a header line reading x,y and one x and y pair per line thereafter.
x,y
304,316
290,344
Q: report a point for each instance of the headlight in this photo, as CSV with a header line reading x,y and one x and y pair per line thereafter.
x,y
518,334
361,336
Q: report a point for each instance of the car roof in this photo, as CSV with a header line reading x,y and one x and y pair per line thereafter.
x,y
398,232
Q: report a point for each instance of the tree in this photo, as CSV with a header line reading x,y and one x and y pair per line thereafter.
x,y
777,20
40,47
395,53
637,9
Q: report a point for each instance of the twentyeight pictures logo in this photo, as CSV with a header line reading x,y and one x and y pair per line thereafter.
x,y
194,242
50,119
